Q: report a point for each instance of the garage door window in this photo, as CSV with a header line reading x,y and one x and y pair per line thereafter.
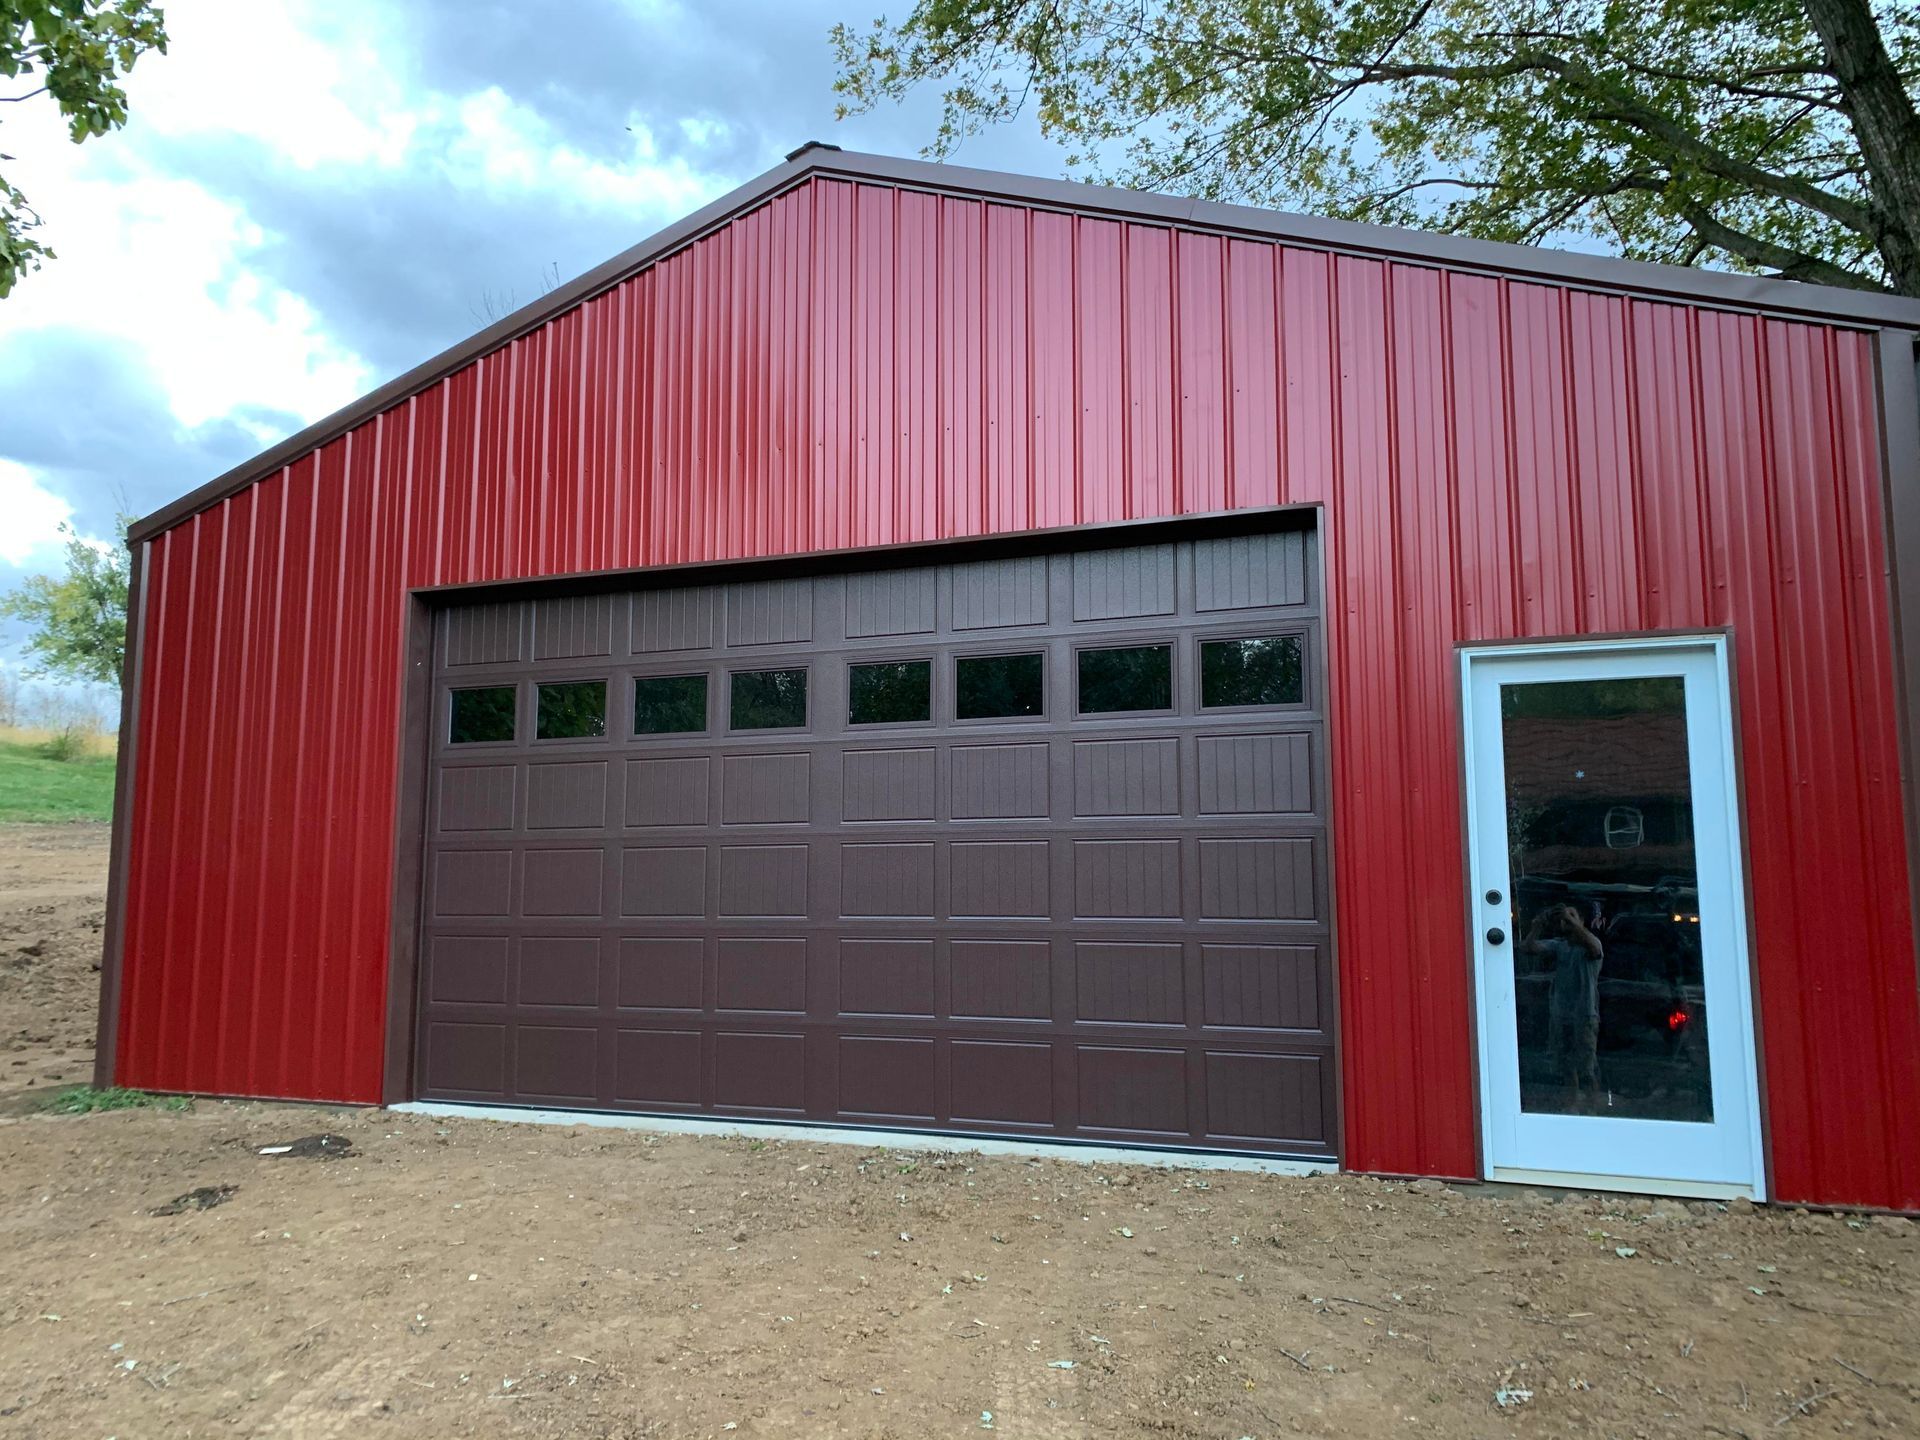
x,y
481,715
899,692
998,687
1136,677
669,704
1260,670
768,699
571,710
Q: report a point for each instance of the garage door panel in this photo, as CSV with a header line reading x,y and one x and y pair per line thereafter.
x,y
766,881
761,973
467,969
882,880
472,883
667,791
890,602
658,1067
897,784
1126,777
567,795
466,1058
564,882
887,977
1252,1095
766,789
1001,979
572,627
1251,572
886,1077
663,880
1003,781
1257,773
1126,879
1258,879
1134,1089
1008,878
760,1070
556,1063
1269,987
662,972
998,1082
997,594
476,797
1143,984
1009,917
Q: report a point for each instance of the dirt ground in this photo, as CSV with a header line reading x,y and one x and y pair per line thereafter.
x,y
448,1278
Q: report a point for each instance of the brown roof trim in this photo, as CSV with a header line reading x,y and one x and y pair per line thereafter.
x,y
1594,272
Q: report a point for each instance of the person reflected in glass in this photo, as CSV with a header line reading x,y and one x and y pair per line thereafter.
x,y
1561,938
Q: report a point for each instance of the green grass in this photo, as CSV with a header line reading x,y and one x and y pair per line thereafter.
x,y
36,787
85,1100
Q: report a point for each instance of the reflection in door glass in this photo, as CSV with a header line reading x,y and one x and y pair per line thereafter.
x,y
1610,1005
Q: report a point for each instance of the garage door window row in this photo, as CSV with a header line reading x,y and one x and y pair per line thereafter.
x,y
1235,673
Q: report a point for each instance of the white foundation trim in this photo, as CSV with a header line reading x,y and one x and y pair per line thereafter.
x,y
875,1139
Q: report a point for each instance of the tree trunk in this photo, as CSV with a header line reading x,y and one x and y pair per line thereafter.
x,y
1886,125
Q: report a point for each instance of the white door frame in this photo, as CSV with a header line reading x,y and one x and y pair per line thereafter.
x,y
1741,1034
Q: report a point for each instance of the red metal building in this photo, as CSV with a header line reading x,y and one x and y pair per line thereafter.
x,y
841,418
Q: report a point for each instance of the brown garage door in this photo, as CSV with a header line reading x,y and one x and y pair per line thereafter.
x,y
1028,845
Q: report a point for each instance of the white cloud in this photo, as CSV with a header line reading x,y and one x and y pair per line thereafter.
x,y
30,538
171,269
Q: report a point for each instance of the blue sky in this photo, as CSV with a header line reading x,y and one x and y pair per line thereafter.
x,y
310,198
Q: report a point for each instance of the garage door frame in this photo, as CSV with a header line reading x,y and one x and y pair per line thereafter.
x,y
414,748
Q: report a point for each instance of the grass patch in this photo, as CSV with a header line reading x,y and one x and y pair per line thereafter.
x,y
85,1100
36,786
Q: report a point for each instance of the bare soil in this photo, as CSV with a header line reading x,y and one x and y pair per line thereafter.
x,y
475,1278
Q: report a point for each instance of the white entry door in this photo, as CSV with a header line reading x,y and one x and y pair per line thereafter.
x,y
1616,1020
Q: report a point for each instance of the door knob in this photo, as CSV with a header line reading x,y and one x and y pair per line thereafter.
x,y
1496,936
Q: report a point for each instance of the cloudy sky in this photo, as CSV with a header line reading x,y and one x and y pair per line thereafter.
x,y
312,196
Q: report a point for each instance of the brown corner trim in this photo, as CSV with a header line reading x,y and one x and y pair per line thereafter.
x,y
113,940
1898,361
409,843
1826,304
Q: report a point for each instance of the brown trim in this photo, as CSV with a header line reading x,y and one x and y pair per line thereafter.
x,y
409,841
113,940
1898,362
1699,287
1317,551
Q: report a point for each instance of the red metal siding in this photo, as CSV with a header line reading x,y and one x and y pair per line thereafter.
x,y
859,365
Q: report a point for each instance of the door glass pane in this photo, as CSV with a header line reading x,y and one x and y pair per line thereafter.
x,y
1262,671
895,692
1610,1004
768,700
991,687
481,715
571,709
669,704
1138,677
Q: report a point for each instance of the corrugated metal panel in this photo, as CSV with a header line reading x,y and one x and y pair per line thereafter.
x,y
856,365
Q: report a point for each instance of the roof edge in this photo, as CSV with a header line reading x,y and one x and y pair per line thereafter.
x,y
1681,284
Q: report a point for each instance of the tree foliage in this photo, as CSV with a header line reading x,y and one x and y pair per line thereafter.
x,y
1771,135
74,53
77,624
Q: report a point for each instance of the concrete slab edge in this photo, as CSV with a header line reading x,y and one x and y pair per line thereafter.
x,y
908,1140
